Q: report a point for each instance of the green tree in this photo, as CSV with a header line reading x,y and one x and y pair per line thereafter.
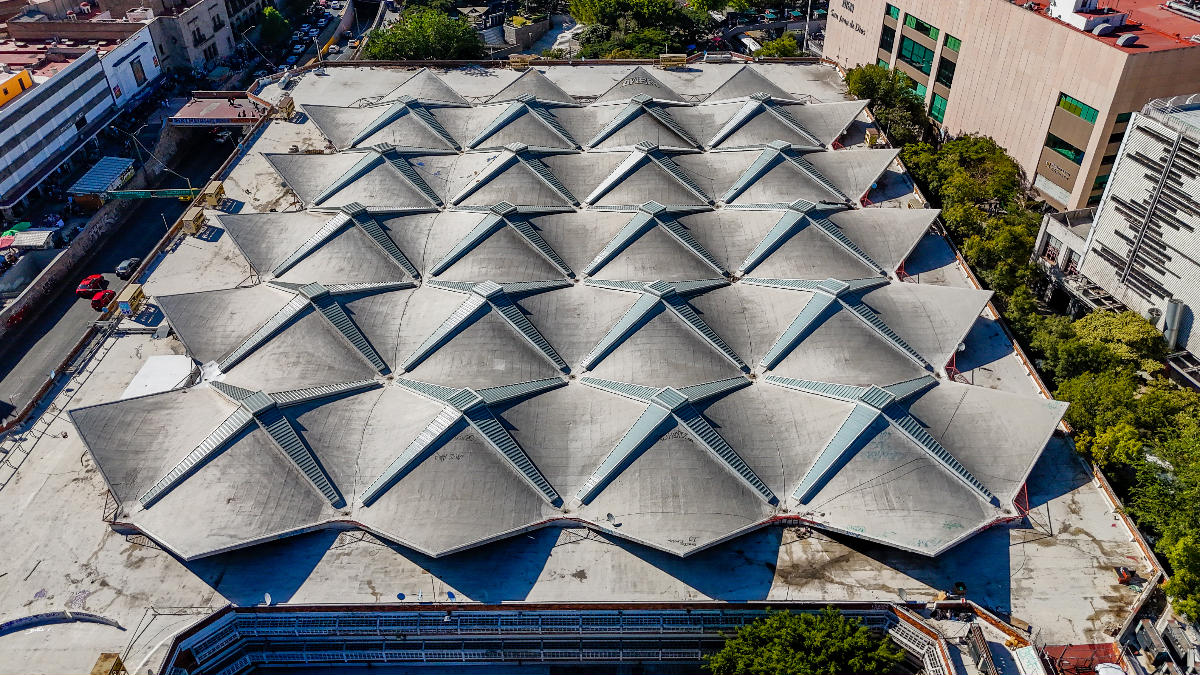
x,y
1183,555
1131,339
784,643
424,33
899,112
708,5
1099,400
1116,447
783,46
275,28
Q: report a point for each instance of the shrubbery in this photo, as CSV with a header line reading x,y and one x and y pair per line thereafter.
x,y
1139,427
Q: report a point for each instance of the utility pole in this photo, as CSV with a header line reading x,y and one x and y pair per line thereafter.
x,y
807,20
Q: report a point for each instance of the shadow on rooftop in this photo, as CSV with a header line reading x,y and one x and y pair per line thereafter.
x,y
891,185
931,253
1058,471
245,576
505,570
741,569
982,562
986,342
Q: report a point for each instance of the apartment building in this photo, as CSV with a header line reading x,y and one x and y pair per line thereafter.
x,y
1139,249
1054,82
70,100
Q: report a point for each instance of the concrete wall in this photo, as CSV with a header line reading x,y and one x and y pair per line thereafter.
x,y
525,35
9,8
73,30
1012,67
175,41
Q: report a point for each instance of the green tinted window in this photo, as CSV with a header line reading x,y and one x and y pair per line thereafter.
x,y
945,72
921,27
916,55
1077,108
887,39
938,110
1064,148
894,12
1095,200
1100,182
920,89
1124,117
881,63
953,43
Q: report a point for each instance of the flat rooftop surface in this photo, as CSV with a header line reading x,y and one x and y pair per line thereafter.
x,y
1052,570
1156,27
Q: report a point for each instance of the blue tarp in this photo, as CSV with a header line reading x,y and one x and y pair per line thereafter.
x,y
103,176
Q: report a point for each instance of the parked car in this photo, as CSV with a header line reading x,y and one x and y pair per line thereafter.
x,y
128,267
90,285
299,48
334,49
102,299
291,60
353,44
305,28
322,22
335,5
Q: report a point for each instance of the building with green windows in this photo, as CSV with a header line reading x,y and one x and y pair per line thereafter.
x,y
1055,84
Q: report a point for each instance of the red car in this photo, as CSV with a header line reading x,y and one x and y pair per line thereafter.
x,y
102,300
90,285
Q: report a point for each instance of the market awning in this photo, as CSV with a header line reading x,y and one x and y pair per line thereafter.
x,y
107,174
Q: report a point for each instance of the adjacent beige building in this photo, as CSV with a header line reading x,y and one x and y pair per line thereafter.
x,y
1055,83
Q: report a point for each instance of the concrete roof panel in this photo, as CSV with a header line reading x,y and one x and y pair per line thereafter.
x,y
890,491
126,437
306,353
654,500
664,352
248,492
996,435
213,323
486,353
744,82
534,83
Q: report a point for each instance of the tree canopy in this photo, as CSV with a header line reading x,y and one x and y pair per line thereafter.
x,y
275,28
897,108
636,28
424,33
783,643
784,45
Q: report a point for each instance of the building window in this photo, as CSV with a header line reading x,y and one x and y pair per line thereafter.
x,y
1108,159
139,73
953,43
920,89
1050,252
921,27
1116,138
1095,200
1073,262
938,110
893,11
1100,182
881,63
916,55
945,72
1077,108
887,39
1064,148
1124,117
81,122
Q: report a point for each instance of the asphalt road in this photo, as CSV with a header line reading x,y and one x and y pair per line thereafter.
x,y
27,358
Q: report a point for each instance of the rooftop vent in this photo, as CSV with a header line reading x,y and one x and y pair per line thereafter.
x,y
1126,40
1102,29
